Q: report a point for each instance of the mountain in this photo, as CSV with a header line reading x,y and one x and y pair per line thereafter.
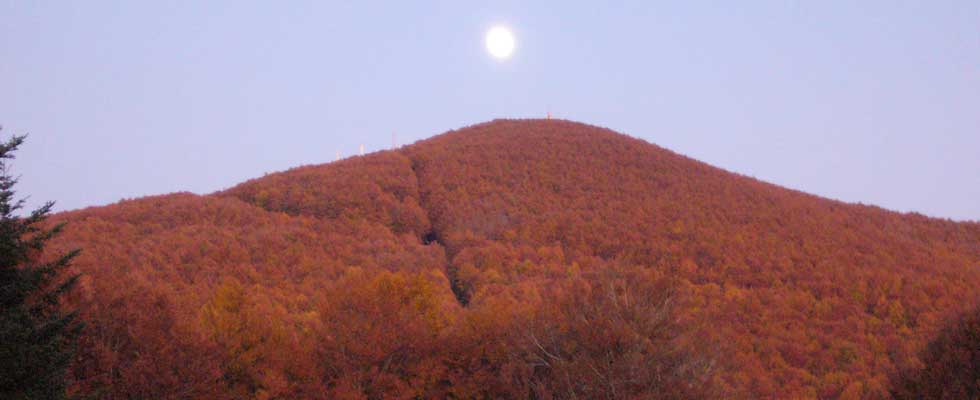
x,y
516,259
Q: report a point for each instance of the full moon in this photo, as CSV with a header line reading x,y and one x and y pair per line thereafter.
x,y
500,42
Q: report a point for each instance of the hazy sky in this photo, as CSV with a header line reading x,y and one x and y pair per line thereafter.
x,y
863,101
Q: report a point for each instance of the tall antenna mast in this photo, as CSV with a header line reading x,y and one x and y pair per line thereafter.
x,y
362,149
338,156
393,143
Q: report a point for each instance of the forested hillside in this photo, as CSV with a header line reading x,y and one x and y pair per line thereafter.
x,y
510,259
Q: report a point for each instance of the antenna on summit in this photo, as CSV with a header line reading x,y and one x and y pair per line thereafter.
x,y
394,144
362,149
338,156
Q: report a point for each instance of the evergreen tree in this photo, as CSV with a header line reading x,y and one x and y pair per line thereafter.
x,y
36,336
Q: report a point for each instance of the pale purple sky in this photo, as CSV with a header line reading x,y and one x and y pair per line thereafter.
x,y
863,101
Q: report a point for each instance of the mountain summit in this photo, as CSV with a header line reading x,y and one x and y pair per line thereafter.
x,y
514,258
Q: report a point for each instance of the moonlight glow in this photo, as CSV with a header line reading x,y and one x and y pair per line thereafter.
x,y
500,42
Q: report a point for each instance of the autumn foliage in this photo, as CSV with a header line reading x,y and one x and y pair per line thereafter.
x,y
950,366
512,259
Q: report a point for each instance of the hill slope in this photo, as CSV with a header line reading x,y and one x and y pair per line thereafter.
x,y
424,271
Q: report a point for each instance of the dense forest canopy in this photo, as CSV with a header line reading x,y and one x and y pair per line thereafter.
x,y
514,259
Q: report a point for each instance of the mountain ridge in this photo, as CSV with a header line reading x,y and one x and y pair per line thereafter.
x,y
807,296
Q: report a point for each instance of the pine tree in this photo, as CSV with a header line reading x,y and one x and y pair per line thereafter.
x,y
36,336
